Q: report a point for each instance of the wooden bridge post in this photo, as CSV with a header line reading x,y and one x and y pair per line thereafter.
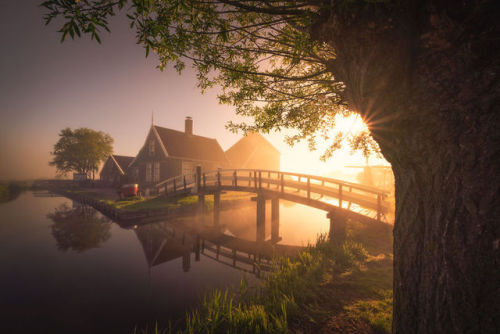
x,y
216,208
282,183
275,219
379,207
308,187
261,218
198,178
201,205
186,262
340,196
197,247
337,231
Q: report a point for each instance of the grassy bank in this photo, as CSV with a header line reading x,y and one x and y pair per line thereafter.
x,y
10,190
134,204
326,289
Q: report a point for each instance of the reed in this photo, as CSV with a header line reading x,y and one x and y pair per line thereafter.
x,y
289,288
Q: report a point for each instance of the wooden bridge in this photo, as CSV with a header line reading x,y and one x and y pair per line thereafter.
x,y
340,199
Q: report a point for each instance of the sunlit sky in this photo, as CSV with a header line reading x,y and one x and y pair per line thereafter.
x,y
46,86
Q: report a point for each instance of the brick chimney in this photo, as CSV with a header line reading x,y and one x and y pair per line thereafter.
x,y
188,125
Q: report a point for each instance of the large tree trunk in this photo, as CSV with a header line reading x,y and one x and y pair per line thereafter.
x,y
426,80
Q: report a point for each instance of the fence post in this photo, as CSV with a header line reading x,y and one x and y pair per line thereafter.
x,y
268,179
175,186
184,182
249,179
260,179
204,180
198,178
349,204
379,207
340,196
235,176
255,179
218,178
308,187
282,184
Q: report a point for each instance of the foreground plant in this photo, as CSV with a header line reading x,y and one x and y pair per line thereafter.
x,y
283,294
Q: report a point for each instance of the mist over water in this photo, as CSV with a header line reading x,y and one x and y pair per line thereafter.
x,y
93,276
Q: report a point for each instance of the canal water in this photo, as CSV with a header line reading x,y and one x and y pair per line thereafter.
x,y
66,268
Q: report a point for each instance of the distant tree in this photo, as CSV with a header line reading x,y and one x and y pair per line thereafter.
x,y
79,229
81,151
424,76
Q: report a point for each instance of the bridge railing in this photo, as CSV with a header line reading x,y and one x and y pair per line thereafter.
x,y
175,184
333,192
346,195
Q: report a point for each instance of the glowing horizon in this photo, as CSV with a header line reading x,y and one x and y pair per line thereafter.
x,y
112,88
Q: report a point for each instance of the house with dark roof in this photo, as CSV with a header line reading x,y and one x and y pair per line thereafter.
x,y
115,168
167,153
253,152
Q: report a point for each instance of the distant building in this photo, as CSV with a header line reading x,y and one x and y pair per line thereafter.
x,y
254,152
115,168
167,153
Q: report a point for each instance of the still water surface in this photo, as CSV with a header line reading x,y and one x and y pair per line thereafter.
x,y
65,268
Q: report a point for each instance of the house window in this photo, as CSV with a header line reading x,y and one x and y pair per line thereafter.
x,y
148,172
156,175
151,147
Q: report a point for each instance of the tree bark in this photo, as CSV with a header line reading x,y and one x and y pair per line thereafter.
x,y
425,78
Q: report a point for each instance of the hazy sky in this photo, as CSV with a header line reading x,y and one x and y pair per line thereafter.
x,y
46,86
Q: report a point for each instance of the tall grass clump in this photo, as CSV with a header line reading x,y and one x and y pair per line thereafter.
x,y
289,288
4,192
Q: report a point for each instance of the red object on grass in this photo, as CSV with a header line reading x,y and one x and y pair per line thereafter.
x,y
130,190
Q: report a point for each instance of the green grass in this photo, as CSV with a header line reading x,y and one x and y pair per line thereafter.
x,y
4,193
286,296
10,190
156,203
345,288
132,204
377,312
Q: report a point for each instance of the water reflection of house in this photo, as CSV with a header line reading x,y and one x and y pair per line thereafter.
x,y
115,168
167,153
254,152
160,245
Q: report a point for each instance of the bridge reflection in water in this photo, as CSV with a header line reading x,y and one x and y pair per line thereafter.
x,y
166,241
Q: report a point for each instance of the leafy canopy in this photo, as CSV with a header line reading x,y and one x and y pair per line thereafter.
x,y
81,150
260,53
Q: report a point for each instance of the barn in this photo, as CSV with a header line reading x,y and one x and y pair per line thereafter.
x,y
167,153
253,152
114,169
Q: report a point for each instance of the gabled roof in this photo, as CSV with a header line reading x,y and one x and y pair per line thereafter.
x,y
181,145
244,149
122,162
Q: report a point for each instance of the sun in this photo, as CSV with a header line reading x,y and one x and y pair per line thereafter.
x,y
301,160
